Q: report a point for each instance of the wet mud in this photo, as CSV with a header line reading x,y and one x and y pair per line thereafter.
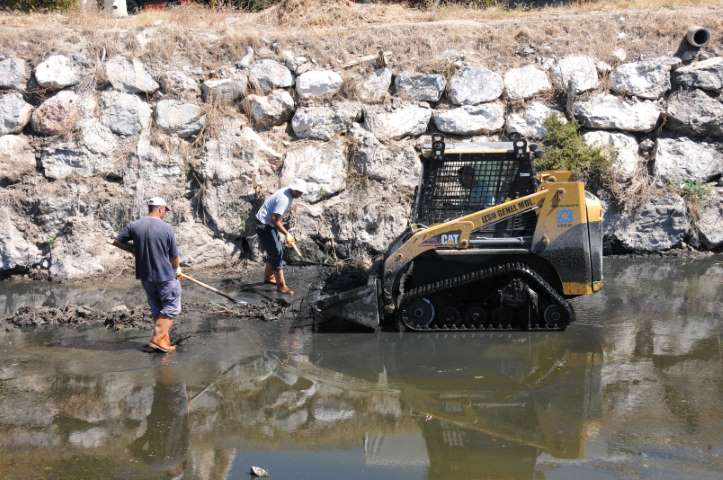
x,y
121,317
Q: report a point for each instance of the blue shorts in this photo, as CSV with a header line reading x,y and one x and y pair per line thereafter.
x,y
164,298
271,243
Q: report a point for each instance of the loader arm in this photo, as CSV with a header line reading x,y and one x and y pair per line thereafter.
x,y
454,234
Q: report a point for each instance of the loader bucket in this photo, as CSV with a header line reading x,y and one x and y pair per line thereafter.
x,y
359,305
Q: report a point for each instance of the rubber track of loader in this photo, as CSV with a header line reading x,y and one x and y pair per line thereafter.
x,y
518,269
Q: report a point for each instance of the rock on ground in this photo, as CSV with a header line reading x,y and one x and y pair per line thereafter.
x,y
16,157
271,110
58,114
422,87
270,74
530,122
226,90
659,225
129,76
623,147
694,112
318,83
393,124
645,79
15,250
706,74
472,85
471,119
14,73
709,220
57,72
681,159
580,70
375,86
322,164
526,82
182,119
15,113
124,113
609,112
179,85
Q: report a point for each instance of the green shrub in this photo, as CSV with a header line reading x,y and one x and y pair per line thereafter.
x,y
565,149
696,192
35,5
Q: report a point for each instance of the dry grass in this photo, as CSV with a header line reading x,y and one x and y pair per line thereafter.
x,y
336,31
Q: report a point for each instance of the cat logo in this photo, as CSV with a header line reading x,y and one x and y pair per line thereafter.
x,y
449,239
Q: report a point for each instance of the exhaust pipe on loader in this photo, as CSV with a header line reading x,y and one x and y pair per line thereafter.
x,y
697,36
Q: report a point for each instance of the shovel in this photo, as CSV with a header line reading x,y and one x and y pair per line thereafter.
x,y
214,290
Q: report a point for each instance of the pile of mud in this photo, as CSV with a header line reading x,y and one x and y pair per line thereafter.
x,y
122,318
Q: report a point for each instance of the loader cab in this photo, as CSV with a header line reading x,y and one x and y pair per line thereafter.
x,y
462,178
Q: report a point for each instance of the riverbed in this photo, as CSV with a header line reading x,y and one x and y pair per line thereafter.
x,y
633,389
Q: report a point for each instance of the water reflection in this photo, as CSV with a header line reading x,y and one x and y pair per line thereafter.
x,y
164,444
631,390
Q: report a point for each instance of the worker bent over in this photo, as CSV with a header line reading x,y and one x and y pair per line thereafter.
x,y
270,222
158,268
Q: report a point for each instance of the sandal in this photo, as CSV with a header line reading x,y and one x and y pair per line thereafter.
x,y
160,348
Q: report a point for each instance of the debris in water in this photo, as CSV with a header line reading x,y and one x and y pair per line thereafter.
x,y
258,471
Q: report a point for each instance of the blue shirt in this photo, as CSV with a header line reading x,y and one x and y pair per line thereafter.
x,y
154,245
278,203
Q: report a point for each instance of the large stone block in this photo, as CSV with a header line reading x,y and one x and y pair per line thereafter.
x,y
526,82
658,225
129,76
270,110
123,113
681,159
706,74
322,164
15,250
579,70
471,119
694,112
393,124
422,87
375,86
623,147
472,85
16,157
710,220
15,113
530,121
226,90
57,115
14,73
609,112
645,79
57,72
395,163
318,83
270,74
323,123
182,119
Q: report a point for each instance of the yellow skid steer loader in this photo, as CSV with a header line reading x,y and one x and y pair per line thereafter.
x,y
493,245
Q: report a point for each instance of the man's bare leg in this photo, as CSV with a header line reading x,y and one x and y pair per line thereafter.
x,y
281,286
269,274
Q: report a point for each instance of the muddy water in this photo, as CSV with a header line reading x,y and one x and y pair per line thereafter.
x,y
633,390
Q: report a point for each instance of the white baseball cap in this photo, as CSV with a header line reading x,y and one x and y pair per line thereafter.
x,y
157,202
299,185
